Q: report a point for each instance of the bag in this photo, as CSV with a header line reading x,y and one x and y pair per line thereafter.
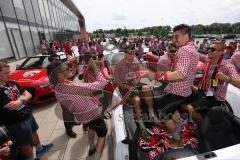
x,y
4,135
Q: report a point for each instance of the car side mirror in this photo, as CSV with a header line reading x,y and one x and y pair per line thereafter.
x,y
17,66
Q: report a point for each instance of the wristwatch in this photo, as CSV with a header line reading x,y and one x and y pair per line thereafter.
x,y
23,101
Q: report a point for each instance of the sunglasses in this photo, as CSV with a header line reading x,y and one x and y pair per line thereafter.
x,y
173,51
212,49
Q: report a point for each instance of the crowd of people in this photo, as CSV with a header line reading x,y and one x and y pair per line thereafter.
x,y
178,60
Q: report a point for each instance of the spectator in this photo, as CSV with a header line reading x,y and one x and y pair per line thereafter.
x,y
165,62
235,60
17,117
227,53
202,49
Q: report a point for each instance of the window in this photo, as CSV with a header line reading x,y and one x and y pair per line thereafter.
x,y
55,16
5,48
7,8
46,33
35,38
36,12
18,4
51,13
59,17
47,13
42,11
27,40
29,11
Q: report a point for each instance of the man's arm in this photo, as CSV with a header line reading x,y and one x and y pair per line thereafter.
x,y
176,75
203,58
183,61
26,96
230,75
222,77
14,105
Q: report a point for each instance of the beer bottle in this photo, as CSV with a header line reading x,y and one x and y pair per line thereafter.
x,y
214,81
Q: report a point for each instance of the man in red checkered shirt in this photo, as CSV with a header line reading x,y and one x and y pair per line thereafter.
x,y
127,77
180,78
78,99
213,85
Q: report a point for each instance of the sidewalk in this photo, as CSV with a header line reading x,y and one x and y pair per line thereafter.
x,y
51,129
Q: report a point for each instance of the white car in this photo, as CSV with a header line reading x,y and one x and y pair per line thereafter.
x,y
119,133
233,99
228,122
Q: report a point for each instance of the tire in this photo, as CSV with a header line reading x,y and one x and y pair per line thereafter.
x,y
227,107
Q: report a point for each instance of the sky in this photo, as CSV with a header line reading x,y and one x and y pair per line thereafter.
x,y
135,14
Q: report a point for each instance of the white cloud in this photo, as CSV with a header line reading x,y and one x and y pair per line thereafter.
x,y
110,14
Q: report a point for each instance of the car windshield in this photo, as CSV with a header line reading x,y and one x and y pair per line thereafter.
x,y
35,62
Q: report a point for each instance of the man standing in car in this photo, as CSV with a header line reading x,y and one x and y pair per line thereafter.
x,y
213,85
180,78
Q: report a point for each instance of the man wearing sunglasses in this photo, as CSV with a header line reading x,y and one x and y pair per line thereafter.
x,y
213,85
180,78
127,77
165,62
78,98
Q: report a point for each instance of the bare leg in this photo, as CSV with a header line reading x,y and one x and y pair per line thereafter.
x,y
197,117
36,140
137,107
91,135
27,151
100,144
148,98
171,125
149,102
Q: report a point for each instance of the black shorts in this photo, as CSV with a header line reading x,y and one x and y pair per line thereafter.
x,y
99,126
22,131
167,104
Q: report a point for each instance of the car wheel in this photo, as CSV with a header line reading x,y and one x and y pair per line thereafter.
x,y
227,107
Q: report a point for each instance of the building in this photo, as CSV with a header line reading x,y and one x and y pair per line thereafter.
x,y
24,23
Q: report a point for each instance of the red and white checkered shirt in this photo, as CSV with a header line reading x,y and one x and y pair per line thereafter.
x,y
125,72
92,50
185,62
78,98
164,63
235,60
226,68
99,48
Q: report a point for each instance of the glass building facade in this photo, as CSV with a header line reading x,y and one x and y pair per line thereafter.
x,y
24,23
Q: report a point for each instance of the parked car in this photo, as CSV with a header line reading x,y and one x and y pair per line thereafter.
x,y
32,76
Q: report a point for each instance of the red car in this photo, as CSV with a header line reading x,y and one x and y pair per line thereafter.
x,y
32,75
